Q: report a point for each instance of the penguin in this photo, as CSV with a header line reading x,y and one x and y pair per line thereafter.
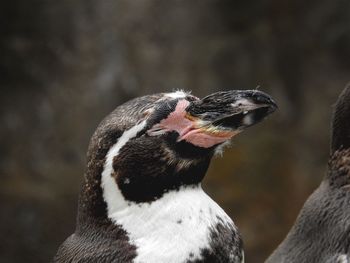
x,y
321,232
141,200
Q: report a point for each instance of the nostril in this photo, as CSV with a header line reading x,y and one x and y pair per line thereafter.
x,y
263,99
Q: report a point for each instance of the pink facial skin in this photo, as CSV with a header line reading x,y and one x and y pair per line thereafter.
x,y
188,130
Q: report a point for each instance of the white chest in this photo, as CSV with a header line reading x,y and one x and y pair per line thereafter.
x,y
172,228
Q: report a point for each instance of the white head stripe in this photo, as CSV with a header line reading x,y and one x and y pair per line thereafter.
x,y
111,193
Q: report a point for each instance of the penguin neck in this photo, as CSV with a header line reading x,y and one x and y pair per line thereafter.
x,y
117,203
338,174
101,197
339,162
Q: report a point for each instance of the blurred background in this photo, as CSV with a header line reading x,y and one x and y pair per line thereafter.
x,y
65,64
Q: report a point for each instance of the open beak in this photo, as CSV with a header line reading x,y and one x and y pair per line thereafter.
x,y
216,118
225,114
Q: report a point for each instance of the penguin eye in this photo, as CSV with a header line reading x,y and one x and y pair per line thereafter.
x,y
147,113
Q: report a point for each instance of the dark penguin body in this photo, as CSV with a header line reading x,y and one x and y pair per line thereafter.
x,y
142,200
321,232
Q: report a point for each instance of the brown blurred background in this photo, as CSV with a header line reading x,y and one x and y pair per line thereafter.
x,y
65,64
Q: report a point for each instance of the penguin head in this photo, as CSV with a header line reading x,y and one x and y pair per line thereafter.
x,y
155,144
194,127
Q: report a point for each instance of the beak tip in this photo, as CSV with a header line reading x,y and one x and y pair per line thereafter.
x,y
273,106
263,98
